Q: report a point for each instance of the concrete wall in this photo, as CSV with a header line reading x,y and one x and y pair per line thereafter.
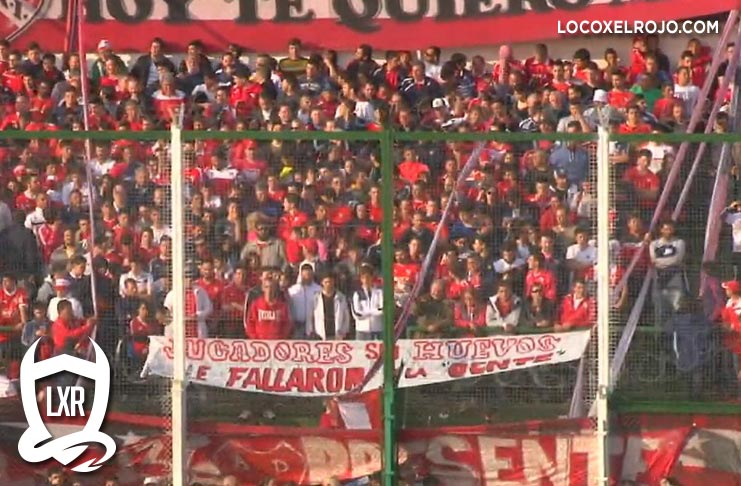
x,y
560,49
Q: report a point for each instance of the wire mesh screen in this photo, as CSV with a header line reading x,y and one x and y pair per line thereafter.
x,y
133,248
280,236
668,336
517,260
79,255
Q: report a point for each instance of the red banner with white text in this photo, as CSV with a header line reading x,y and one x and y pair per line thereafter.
x,y
267,25
701,450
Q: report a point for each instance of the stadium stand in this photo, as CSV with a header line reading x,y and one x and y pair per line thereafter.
x,y
284,237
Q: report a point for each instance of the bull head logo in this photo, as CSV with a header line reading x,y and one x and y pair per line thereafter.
x,y
35,445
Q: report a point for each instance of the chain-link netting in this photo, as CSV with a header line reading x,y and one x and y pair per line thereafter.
x,y
85,255
281,235
518,262
672,265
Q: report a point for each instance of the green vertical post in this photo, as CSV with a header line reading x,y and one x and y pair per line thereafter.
x,y
387,267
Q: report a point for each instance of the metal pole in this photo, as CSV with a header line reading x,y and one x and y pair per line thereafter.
x,y
603,301
179,378
387,255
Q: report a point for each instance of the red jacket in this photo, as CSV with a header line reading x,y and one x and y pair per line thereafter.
x,y
543,277
582,315
66,335
268,320
729,316
233,294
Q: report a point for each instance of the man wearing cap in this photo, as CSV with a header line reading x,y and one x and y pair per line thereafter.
x,y
105,52
600,111
301,297
61,287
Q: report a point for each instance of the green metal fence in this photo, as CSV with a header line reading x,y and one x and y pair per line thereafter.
x,y
652,378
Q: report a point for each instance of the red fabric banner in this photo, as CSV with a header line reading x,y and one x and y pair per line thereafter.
x,y
700,450
267,25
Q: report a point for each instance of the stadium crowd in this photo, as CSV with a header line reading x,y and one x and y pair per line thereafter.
x,y
283,237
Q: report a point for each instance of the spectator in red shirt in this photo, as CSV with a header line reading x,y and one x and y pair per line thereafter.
x,y
644,183
140,328
469,314
663,106
233,300
268,317
633,122
540,276
412,169
578,309
619,96
539,67
67,332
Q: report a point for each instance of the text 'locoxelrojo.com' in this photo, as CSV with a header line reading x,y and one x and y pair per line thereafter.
x,y
638,27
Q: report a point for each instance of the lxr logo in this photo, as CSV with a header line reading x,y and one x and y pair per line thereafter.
x,y
35,445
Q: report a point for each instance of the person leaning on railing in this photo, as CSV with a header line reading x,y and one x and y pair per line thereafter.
x,y
433,313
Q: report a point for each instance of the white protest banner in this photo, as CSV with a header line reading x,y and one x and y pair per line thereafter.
x,y
427,361
320,368
298,368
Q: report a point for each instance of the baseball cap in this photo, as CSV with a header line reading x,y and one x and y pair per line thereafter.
x,y
600,96
438,103
61,283
732,285
19,170
104,44
559,173
150,480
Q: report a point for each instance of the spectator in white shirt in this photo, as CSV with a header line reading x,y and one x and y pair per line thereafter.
x,y
143,280
503,309
432,62
685,90
581,257
36,218
330,318
61,287
301,297
367,307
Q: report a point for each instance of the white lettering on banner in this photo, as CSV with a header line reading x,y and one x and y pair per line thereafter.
x,y
458,471
316,368
538,465
493,464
